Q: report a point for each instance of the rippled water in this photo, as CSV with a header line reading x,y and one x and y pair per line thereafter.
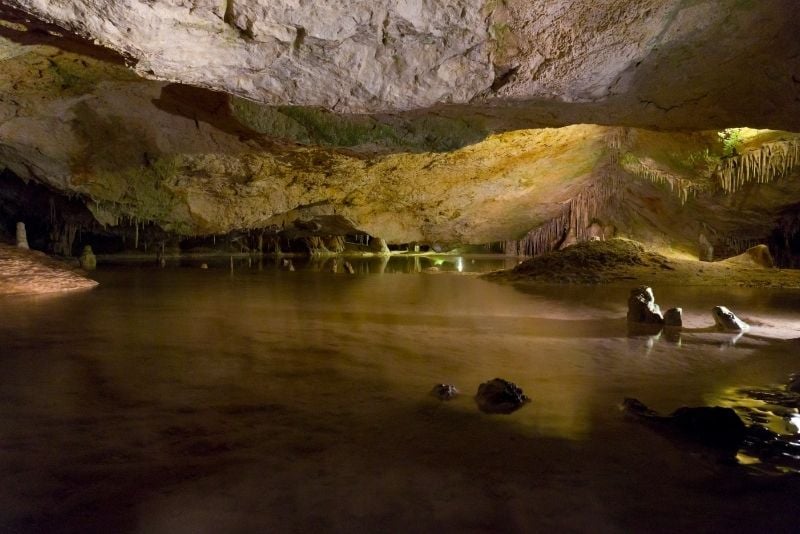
x,y
261,400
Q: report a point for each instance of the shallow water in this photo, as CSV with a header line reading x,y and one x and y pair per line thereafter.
x,y
187,400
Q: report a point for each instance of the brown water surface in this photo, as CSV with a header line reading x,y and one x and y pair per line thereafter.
x,y
182,400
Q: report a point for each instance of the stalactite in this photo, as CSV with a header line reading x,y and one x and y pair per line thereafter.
x,y
590,203
678,186
136,235
768,163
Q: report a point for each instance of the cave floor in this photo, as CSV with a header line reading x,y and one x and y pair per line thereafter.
x,y
186,400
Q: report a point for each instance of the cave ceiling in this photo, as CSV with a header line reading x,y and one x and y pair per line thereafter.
x,y
449,121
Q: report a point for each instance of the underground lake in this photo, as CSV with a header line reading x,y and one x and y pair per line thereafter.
x,y
233,400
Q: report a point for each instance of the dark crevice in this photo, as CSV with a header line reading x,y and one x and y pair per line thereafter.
x,y
504,77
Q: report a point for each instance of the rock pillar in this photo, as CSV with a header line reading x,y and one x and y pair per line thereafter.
x,y
22,236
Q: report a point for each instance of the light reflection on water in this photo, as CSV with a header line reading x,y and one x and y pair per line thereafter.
x,y
181,400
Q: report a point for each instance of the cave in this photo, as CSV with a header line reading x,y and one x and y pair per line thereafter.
x,y
405,266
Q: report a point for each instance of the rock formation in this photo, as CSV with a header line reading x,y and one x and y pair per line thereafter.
x,y
727,321
22,236
642,307
569,60
447,122
499,396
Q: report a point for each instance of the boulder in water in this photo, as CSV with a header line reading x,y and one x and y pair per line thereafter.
x,y
673,318
726,320
642,307
713,426
444,392
500,396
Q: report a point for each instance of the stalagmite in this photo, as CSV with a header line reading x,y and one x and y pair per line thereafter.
x,y
22,236
88,260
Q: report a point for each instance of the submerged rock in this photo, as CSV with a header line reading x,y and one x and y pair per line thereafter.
x,y
711,425
726,320
642,307
674,318
500,396
444,392
88,260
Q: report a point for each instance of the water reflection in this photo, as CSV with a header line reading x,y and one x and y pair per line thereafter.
x,y
362,265
189,400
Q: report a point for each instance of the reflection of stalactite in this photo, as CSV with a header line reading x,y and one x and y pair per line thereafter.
x,y
766,164
577,215
683,188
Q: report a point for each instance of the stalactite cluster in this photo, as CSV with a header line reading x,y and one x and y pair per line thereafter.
x,y
681,187
577,215
763,165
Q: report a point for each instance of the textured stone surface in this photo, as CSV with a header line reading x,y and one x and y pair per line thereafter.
x,y
665,63
199,162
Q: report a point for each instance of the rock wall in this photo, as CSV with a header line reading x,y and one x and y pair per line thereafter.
x,y
662,63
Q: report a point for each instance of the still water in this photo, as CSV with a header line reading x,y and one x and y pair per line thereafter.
x,y
182,400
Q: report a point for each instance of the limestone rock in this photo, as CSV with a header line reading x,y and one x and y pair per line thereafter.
x,y
575,60
499,396
22,236
642,307
378,245
673,318
727,321
760,255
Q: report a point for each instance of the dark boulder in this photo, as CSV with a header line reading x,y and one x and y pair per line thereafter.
x,y
500,396
712,426
673,318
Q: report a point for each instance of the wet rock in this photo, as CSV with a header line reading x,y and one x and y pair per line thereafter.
x,y
713,426
642,307
500,396
444,392
760,255
22,236
204,266
673,318
378,245
88,260
726,320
